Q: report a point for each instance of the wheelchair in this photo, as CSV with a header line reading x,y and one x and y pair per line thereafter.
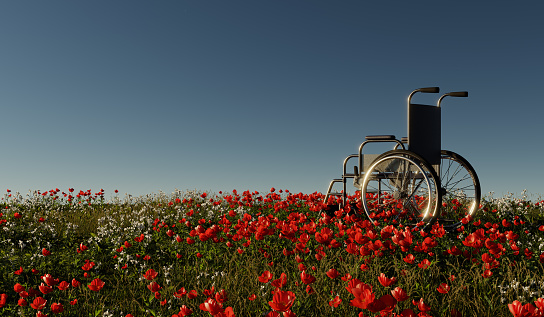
x,y
415,184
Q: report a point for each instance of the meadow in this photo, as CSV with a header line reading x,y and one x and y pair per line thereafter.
x,y
278,253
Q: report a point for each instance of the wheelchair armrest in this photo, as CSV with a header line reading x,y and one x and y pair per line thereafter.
x,y
379,137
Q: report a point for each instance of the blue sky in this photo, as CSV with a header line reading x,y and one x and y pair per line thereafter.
x,y
143,96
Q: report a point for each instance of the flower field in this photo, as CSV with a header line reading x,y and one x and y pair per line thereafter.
x,y
261,254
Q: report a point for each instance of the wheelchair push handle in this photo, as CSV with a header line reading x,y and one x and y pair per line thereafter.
x,y
452,94
458,94
430,90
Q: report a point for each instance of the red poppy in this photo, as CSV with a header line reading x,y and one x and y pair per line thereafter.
x,y
150,274
154,287
385,281
96,285
192,294
252,297
211,306
282,300
45,289
307,278
180,293
409,259
57,308
22,302
46,252
280,282
63,285
3,299
346,277
399,294
38,303
421,305
332,273
265,277
184,311
424,264
335,302
443,288
49,280
75,283
221,296
88,265
19,288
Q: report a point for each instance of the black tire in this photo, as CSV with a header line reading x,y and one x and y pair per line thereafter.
x,y
460,189
400,187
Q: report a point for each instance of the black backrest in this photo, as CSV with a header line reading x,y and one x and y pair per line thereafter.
x,y
424,132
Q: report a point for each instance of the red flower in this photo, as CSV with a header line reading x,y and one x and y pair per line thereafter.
x,y
487,273
280,282
409,259
3,299
346,277
212,306
45,289
421,305
19,288
150,274
17,215
57,308
324,236
63,286
424,264
385,281
399,294
49,280
180,293
38,303
443,288
88,265
282,301
307,278
335,302
22,302
154,287
221,296
192,294
45,252
96,285
252,297
19,271
332,273
75,283
184,311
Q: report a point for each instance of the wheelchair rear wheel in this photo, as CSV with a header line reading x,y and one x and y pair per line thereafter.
x,y
460,189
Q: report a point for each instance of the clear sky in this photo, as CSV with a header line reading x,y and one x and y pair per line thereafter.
x,y
143,96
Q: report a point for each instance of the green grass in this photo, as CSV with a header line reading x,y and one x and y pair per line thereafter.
x,y
273,224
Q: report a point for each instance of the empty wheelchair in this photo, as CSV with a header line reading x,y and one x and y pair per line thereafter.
x,y
414,185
